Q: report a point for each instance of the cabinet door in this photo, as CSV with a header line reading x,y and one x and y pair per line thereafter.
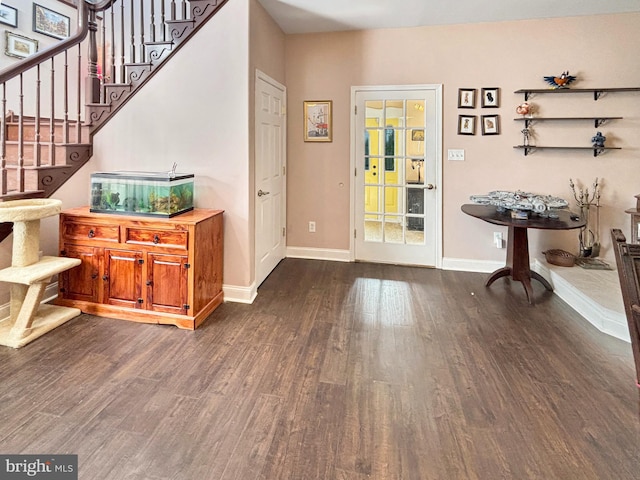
x,y
167,278
123,278
81,282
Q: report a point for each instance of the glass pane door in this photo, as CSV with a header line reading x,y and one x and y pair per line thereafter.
x,y
397,164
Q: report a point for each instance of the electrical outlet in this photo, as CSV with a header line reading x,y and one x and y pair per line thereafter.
x,y
497,239
312,227
455,154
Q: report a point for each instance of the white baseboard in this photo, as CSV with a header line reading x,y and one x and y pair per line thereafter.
x,y
319,254
464,265
237,294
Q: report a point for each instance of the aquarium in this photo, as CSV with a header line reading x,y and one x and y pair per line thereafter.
x,y
152,194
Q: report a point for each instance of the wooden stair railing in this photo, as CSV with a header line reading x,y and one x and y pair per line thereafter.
x,y
53,102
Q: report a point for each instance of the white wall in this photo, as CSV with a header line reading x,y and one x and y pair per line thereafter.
x,y
194,112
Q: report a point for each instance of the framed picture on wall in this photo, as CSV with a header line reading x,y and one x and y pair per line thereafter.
x,y
50,23
490,97
466,124
18,46
9,15
466,98
317,120
490,125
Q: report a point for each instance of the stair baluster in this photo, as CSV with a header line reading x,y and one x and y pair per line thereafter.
x,y
47,95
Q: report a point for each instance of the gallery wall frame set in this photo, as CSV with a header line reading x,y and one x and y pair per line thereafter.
x,y
51,23
317,120
9,15
18,46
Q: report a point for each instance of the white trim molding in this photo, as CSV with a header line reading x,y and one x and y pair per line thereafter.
x,y
319,254
237,294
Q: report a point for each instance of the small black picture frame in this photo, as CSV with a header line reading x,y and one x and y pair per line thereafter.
x,y
490,97
466,98
466,124
490,124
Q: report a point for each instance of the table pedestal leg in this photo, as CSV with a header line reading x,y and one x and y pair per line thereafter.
x,y
518,265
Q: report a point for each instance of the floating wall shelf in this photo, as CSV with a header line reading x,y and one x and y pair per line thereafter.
x,y
596,150
597,121
597,92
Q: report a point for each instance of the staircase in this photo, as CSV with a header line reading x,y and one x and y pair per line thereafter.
x,y
53,102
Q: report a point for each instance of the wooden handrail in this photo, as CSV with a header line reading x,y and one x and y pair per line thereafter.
x,y
83,28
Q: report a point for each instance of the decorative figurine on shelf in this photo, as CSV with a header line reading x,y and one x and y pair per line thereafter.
x,y
598,140
589,239
524,109
562,81
526,133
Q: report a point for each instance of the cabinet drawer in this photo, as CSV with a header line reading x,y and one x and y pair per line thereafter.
x,y
73,230
161,238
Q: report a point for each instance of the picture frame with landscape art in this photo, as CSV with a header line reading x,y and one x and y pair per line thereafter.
x,y
18,46
9,15
51,23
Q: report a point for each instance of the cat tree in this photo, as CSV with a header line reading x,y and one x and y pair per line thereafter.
x,y
29,274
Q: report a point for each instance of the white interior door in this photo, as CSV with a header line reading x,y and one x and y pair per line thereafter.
x,y
398,153
270,183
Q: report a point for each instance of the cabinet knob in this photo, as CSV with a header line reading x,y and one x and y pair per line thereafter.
x,y
156,239
92,233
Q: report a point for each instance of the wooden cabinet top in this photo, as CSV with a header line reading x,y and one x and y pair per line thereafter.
x,y
196,215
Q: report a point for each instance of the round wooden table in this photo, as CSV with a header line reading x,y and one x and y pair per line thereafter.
x,y
518,263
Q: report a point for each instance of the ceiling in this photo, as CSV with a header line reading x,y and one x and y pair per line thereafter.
x,y
307,16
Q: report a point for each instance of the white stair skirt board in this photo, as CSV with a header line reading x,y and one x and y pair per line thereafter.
x,y
594,294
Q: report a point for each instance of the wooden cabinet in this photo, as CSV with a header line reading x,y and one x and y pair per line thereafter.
x,y
143,269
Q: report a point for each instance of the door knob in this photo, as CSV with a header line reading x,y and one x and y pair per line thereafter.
x,y
430,186
261,193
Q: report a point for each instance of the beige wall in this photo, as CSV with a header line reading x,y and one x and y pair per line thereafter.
x,y
600,50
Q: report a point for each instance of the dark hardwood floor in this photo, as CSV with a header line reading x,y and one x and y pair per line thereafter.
x,y
340,372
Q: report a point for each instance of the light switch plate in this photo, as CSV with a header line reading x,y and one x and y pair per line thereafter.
x,y
455,154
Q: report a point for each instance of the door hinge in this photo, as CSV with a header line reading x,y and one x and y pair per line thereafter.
x,y
187,265
283,110
140,301
354,233
186,306
355,110
355,172
284,170
140,261
284,231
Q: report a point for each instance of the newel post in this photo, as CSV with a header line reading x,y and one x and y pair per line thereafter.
x,y
92,91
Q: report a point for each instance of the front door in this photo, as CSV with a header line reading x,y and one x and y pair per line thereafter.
x,y
269,195
397,174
